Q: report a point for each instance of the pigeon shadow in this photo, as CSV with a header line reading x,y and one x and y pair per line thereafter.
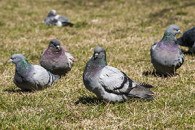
x,y
154,16
137,99
96,101
187,52
17,91
90,100
160,13
156,74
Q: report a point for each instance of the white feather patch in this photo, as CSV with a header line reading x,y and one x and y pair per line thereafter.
x,y
59,23
57,16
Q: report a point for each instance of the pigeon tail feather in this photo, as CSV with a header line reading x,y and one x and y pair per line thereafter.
x,y
67,24
144,85
141,92
56,77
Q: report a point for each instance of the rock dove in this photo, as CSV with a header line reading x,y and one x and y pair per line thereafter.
x,y
166,56
188,39
31,77
109,83
59,20
56,58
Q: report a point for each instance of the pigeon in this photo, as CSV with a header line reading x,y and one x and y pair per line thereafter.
x,y
188,39
56,58
31,77
166,56
59,20
109,83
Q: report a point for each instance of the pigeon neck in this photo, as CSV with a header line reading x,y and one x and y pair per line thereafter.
x,y
169,36
100,62
22,65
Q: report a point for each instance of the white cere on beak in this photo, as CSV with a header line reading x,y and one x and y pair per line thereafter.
x,y
180,31
10,60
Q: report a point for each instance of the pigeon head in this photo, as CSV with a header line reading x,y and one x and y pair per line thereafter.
x,y
19,60
55,44
170,32
173,29
99,53
98,59
52,13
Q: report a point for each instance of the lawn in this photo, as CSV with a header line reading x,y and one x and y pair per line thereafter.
x,y
126,29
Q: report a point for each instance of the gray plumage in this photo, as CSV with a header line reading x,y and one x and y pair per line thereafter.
x,y
188,39
31,77
56,59
166,56
58,20
109,83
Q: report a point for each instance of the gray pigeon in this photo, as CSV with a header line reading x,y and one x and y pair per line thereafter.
x,y
59,20
109,83
31,77
166,56
56,58
188,39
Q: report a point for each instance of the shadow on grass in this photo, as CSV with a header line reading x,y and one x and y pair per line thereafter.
x,y
96,101
155,74
17,91
160,13
90,100
136,99
155,16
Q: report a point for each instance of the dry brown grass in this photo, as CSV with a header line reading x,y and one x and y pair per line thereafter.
x,y
126,29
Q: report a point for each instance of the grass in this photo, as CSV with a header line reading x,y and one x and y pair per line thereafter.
x,y
126,29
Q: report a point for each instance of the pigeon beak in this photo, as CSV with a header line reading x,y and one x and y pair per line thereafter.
x,y
180,32
96,55
9,61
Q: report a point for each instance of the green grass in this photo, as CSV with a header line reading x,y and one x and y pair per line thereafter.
x,y
126,29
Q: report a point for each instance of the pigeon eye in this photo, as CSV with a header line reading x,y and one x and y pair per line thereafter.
x,y
174,29
15,58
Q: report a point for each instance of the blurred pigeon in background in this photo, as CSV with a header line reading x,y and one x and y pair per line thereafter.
x,y
166,56
188,39
59,20
109,83
31,77
56,58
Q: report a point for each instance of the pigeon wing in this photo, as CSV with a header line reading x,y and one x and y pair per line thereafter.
x,y
189,37
42,77
61,18
115,81
50,21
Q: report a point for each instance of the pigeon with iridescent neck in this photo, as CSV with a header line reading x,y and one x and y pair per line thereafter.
x,y
58,20
166,56
56,59
109,83
31,77
188,39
